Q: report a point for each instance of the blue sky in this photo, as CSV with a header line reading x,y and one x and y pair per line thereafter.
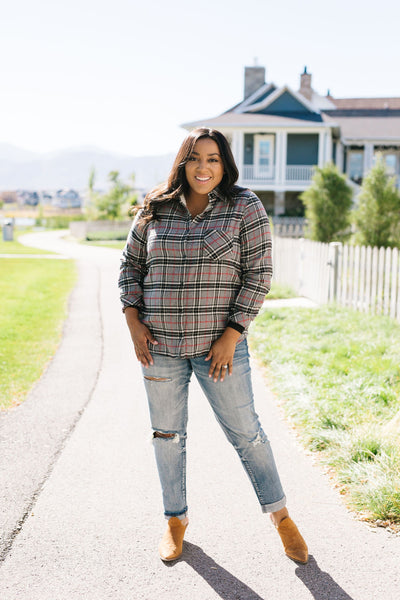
x,y
124,75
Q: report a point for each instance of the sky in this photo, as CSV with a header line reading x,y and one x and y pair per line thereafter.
x,y
123,75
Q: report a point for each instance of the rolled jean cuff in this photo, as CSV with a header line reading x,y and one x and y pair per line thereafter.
x,y
180,516
275,506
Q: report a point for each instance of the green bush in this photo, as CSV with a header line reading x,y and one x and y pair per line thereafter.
x,y
377,217
100,236
328,202
58,221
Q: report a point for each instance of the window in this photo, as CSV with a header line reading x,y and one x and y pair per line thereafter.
x,y
264,154
391,163
355,165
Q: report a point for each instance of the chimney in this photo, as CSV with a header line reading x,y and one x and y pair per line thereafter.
x,y
254,78
305,84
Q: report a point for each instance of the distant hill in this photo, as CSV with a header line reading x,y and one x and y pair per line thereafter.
x,y
21,169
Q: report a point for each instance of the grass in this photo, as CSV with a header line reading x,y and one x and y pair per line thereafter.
x,y
106,236
15,247
338,374
279,291
104,244
33,306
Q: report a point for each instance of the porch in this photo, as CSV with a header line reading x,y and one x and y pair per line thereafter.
x,y
289,177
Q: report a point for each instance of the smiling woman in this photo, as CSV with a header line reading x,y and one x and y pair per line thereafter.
x,y
194,274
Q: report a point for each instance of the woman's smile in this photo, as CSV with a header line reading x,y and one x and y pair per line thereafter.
x,y
204,168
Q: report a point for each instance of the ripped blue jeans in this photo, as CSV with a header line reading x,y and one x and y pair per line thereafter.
x,y
167,383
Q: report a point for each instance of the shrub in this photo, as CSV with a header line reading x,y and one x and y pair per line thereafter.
x,y
328,202
377,218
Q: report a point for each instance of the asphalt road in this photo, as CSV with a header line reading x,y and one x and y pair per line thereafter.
x,y
80,504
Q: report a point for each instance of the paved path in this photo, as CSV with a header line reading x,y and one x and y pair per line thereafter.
x,y
80,500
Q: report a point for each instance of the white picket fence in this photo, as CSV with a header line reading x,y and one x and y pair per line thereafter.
x,y
360,277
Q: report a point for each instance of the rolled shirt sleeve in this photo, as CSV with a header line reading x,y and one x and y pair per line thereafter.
x,y
256,264
133,266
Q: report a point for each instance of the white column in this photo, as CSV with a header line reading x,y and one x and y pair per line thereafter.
x,y
278,154
321,148
368,157
283,156
237,149
328,147
339,156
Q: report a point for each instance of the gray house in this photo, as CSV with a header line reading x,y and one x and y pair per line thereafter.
x,y
279,135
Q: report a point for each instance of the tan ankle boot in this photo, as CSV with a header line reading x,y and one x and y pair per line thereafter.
x,y
293,542
171,544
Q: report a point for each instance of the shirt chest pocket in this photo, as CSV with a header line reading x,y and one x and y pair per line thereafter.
x,y
217,245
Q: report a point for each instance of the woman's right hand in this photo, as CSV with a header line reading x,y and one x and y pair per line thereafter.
x,y
141,336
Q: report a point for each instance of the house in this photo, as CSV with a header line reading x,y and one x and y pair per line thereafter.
x,y
278,136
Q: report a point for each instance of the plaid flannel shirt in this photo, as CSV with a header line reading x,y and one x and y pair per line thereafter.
x,y
191,277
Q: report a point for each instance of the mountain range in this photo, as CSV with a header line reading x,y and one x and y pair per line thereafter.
x,y
70,168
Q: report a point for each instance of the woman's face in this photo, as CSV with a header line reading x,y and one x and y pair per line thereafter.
x,y
204,168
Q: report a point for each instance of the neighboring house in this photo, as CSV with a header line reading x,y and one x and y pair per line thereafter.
x,y
27,197
67,199
278,135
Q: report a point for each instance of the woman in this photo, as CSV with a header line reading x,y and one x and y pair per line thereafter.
x,y
194,274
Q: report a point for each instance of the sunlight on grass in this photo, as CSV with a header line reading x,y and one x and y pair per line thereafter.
x,y
33,308
338,372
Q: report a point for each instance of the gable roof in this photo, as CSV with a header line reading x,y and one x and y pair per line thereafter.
x,y
295,102
258,96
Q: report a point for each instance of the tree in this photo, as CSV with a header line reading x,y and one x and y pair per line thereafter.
x,y
111,204
377,217
328,202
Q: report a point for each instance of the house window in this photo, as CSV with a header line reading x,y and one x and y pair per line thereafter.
x,y
263,154
355,165
391,162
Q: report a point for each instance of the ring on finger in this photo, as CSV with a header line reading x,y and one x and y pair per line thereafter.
x,y
224,366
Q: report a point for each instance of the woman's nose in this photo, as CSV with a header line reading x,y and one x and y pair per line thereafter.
x,y
202,164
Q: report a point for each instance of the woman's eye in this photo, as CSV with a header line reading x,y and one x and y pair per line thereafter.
x,y
191,158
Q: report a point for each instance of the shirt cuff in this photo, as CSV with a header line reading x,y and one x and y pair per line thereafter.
x,y
235,326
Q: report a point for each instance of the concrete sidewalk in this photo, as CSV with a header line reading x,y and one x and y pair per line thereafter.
x,y
90,525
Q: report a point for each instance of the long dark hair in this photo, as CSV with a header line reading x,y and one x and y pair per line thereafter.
x,y
177,184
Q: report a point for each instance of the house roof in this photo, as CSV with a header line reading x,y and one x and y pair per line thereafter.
x,y
231,119
363,128
366,103
269,101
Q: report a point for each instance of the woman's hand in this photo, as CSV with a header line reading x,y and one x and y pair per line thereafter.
x,y
141,336
221,354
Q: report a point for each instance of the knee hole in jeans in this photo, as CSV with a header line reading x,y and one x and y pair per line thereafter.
x,y
157,378
174,437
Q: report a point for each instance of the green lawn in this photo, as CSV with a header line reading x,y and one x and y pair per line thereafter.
x,y
279,291
337,373
104,244
16,248
33,306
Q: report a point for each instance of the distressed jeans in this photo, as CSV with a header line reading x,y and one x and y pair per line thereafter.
x,y
167,383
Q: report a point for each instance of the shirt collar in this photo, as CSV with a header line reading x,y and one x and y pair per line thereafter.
x,y
215,195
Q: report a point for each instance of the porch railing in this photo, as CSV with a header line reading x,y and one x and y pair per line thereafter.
x,y
299,172
256,173
293,173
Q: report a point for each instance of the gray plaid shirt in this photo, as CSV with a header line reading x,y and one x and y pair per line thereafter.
x,y
190,277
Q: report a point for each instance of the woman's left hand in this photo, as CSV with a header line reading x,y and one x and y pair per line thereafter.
x,y
221,354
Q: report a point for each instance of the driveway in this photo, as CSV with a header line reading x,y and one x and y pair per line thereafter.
x,y
80,502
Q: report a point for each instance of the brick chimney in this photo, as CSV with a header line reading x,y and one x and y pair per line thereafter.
x,y
305,84
254,78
